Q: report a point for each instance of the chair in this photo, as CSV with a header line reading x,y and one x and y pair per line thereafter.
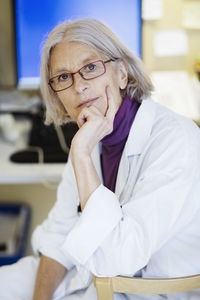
x,y
133,285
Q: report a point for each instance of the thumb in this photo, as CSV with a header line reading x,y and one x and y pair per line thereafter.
x,y
111,106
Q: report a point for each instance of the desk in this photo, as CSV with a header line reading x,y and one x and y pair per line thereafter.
x,y
24,183
27,182
23,173
16,173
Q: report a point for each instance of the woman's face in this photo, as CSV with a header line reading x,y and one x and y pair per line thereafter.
x,y
69,57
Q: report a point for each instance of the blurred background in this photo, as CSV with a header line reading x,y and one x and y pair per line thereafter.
x,y
165,34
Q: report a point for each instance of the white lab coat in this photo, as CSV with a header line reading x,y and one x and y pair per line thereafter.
x,y
149,227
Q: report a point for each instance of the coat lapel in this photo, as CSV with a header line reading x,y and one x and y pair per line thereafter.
x,y
138,137
122,175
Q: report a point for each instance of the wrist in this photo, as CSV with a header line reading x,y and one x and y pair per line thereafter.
x,y
79,159
79,152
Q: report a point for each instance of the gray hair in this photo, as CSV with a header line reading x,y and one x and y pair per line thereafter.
x,y
97,35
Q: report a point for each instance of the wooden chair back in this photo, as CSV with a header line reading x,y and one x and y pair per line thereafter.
x,y
132,285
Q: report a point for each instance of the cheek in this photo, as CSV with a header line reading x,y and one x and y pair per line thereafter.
x,y
67,105
113,82
108,81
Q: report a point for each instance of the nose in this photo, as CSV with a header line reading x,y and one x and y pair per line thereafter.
x,y
80,84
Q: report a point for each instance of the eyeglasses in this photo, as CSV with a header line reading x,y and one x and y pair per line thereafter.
x,y
90,71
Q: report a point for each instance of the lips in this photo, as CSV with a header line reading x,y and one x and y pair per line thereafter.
x,y
87,102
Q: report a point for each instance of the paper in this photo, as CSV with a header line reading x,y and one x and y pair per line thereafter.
x,y
191,15
177,91
170,43
152,9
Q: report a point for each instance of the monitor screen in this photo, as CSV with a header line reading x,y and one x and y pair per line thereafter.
x,y
36,18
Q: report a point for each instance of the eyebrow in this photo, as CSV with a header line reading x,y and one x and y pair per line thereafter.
x,y
84,62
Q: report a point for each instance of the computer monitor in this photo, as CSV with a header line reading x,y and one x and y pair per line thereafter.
x,y
34,19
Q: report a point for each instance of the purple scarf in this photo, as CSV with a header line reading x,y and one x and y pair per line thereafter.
x,y
113,144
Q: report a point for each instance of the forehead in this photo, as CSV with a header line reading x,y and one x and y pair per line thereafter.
x,y
71,56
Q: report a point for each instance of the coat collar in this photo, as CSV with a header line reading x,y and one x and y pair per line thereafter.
x,y
138,137
141,128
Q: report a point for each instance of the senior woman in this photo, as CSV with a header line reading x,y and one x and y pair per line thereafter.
x,y
132,169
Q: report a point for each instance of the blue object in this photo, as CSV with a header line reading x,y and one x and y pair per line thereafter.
x,y
20,215
35,19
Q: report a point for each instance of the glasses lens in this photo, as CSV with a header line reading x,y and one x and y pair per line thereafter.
x,y
60,82
92,70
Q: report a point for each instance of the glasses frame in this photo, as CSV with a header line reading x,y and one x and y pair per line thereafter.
x,y
79,72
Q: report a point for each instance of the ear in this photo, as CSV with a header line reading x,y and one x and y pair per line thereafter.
x,y
122,74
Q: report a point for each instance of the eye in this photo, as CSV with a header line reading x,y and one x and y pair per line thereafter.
x,y
51,81
63,77
90,67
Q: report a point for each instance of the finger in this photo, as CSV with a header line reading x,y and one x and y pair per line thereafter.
x,y
86,114
110,112
82,118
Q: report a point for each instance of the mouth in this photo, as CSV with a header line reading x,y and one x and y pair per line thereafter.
x,y
87,102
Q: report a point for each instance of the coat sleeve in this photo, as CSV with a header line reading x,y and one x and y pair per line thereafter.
x,y
111,240
50,235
